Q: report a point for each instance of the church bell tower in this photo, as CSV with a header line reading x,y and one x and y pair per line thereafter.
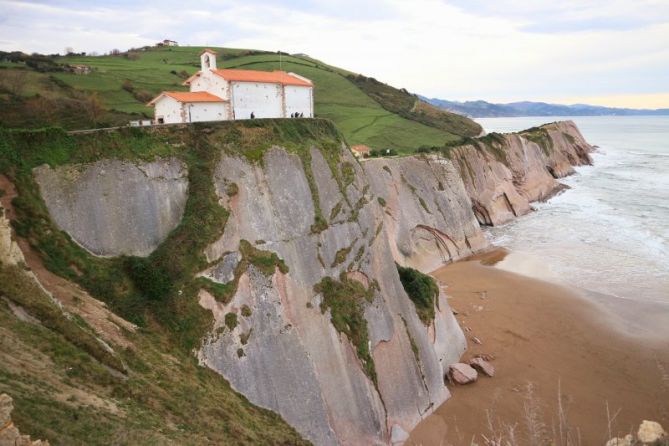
x,y
208,60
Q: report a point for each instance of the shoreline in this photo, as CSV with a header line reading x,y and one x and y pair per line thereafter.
x,y
558,340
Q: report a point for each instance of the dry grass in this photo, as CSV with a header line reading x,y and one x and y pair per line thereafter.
x,y
538,426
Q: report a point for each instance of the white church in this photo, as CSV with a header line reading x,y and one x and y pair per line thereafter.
x,y
220,95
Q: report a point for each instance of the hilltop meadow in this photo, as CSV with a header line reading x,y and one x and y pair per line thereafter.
x,y
39,91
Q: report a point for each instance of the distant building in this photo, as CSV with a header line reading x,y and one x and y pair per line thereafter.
x,y
220,95
360,151
168,42
80,69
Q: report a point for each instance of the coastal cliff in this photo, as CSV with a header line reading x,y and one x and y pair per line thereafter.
x,y
504,173
269,252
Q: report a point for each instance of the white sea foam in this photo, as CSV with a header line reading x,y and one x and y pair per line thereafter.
x,y
610,232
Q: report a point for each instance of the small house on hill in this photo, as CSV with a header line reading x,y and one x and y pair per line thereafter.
x,y
224,94
80,69
168,42
360,151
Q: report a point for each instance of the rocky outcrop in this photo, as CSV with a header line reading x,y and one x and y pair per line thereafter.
x,y
285,354
318,215
10,253
9,433
427,214
114,207
503,174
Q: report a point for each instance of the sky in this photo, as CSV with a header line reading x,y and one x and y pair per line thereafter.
x,y
602,52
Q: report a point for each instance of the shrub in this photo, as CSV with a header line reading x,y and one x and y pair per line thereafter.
x,y
128,86
231,321
265,261
149,277
422,290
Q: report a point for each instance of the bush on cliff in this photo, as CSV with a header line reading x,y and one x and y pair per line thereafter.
x,y
422,290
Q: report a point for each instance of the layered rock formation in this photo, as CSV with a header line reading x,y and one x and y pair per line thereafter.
x,y
114,207
286,354
321,222
427,215
503,174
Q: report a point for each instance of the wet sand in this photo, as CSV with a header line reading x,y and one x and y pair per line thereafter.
x,y
550,336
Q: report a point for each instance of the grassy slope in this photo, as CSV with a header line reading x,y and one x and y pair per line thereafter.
x,y
361,119
63,394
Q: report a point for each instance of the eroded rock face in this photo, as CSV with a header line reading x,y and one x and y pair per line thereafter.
x,y
10,253
504,176
114,207
286,355
283,351
427,214
9,434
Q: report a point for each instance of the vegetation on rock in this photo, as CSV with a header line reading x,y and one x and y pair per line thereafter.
x,y
345,298
422,290
159,293
265,261
541,137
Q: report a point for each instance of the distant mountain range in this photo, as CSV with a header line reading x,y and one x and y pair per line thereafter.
x,y
483,109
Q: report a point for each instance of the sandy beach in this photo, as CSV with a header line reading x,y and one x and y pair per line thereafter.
x,y
556,341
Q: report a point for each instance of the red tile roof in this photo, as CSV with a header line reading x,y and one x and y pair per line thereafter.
x,y
189,96
360,148
270,77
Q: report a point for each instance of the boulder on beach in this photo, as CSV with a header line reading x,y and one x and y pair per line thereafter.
x,y
461,373
483,366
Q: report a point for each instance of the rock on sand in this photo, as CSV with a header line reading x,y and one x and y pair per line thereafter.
x,y
461,373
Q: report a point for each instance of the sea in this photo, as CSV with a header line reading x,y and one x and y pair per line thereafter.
x,y
608,234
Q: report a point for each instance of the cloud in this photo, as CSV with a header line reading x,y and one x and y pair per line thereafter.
x,y
572,15
456,50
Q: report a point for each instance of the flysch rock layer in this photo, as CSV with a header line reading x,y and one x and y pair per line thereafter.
x,y
286,355
502,189
294,361
114,207
427,216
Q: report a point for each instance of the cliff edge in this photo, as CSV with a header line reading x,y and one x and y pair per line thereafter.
x,y
269,252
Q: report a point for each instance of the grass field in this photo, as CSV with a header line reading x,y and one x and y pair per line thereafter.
x,y
361,118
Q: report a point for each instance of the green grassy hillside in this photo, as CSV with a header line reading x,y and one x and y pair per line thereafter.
x,y
123,83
